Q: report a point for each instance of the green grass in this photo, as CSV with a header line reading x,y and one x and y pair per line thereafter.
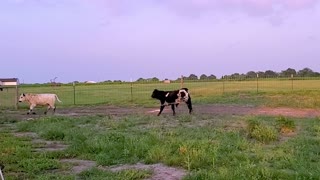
x,y
208,147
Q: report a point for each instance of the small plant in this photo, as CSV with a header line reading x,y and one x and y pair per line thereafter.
x,y
54,135
252,123
264,134
285,125
316,129
261,132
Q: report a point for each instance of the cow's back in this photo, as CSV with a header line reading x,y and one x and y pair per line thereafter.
x,y
42,99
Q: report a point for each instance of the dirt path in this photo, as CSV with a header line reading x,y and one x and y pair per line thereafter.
x,y
214,109
198,109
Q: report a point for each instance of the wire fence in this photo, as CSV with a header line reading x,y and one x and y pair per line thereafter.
x,y
138,93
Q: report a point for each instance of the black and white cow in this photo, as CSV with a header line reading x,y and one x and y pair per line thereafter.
x,y
173,98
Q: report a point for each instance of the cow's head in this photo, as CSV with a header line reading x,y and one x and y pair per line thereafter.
x,y
183,94
22,97
186,89
155,93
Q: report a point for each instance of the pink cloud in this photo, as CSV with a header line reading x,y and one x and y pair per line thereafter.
x,y
258,7
299,4
251,7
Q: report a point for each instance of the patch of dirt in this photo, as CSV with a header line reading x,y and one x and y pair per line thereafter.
x,y
236,126
43,144
160,171
93,110
79,165
290,112
32,135
49,145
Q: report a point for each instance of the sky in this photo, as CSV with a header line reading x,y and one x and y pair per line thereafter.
x,y
98,40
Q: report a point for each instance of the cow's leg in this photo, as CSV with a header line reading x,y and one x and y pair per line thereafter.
x,y
173,110
161,109
54,109
31,109
48,108
189,103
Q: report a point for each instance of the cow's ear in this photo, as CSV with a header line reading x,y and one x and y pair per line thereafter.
x,y
23,94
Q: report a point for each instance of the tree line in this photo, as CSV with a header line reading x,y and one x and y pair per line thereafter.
x,y
290,72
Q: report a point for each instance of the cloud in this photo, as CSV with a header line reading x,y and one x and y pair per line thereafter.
x,y
250,7
274,11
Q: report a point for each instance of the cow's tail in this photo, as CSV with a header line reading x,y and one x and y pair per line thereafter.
x,y
58,98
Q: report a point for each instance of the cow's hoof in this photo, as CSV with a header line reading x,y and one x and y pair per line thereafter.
x,y
28,113
33,113
45,113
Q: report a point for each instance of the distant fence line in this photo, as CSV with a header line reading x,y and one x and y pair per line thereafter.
x,y
126,93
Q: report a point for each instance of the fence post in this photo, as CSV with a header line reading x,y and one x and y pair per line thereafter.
x,y
17,96
74,93
257,82
292,82
131,89
181,82
223,84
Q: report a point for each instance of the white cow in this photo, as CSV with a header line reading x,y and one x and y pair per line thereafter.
x,y
39,99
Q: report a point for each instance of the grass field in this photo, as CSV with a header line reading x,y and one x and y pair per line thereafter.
x,y
206,146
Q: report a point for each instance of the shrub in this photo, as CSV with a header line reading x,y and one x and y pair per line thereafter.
x,y
261,132
285,125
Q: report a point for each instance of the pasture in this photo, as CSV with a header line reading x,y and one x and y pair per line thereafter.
x,y
237,131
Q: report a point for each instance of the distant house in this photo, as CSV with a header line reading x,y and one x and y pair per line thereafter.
x,y
9,81
167,81
90,82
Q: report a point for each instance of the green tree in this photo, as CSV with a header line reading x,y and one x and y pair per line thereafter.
x,y
141,79
212,77
154,79
261,74
270,73
288,72
251,74
306,72
192,77
203,77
